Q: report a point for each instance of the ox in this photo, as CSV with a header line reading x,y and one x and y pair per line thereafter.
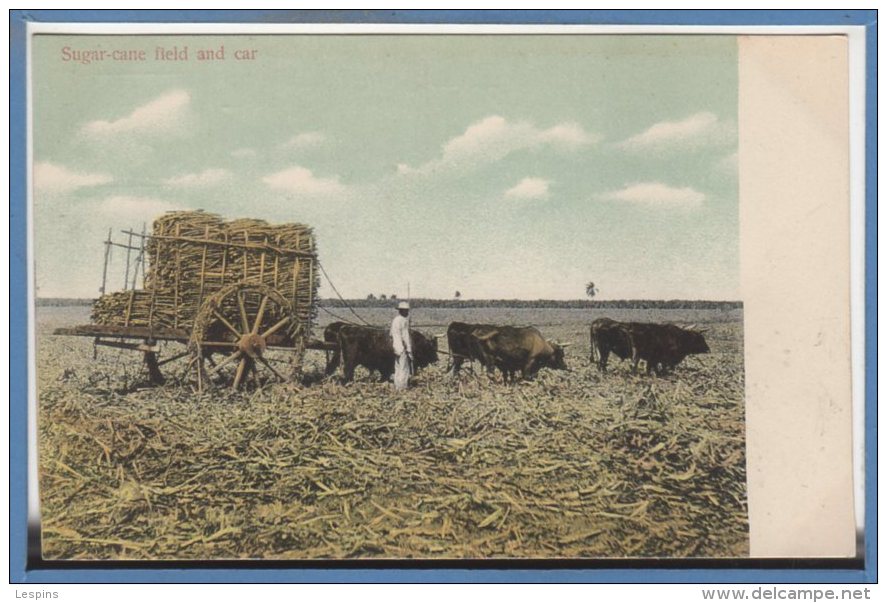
x,y
663,347
331,335
463,342
607,336
523,349
371,348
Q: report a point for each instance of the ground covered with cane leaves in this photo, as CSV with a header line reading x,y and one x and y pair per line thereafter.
x,y
574,464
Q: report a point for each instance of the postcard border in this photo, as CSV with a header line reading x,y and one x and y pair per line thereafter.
x,y
23,572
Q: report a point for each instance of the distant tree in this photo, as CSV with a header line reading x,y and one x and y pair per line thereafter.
x,y
458,294
392,296
590,289
371,296
383,296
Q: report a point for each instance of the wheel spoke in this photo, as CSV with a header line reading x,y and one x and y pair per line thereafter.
x,y
171,358
198,362
244,321
226,361
218,344
225,322
238,377
260,314
271,368
275,328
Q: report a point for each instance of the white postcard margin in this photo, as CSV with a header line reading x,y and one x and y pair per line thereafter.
x,y
795,264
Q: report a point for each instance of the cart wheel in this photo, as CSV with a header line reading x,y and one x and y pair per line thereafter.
x,y
243,323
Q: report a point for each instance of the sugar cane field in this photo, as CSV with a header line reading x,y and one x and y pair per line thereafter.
x,y
575,464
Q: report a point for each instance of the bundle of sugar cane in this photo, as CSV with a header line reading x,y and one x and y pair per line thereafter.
x,y
192,255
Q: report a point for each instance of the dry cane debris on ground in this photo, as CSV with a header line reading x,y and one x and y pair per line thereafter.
x,y
570,465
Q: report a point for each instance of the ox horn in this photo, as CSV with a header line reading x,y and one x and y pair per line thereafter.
x,y
439,335
691,327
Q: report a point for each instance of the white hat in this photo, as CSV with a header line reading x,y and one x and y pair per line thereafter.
x,y
403,305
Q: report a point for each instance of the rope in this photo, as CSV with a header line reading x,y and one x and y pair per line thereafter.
x,y
341,318
339,295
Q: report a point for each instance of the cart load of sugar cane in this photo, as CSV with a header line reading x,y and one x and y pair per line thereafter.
x,y
194,259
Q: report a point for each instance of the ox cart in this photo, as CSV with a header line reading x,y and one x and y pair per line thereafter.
x,y
231,292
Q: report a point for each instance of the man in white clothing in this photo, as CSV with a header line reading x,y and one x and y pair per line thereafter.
x,y
403,346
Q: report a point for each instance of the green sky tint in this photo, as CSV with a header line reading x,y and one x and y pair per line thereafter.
x,y
500,166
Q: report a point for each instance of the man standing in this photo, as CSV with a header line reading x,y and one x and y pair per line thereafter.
x,y
403,346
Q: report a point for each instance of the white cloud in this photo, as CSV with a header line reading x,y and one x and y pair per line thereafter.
x,y
52,178
162,114
699,129
304,140
493,138
567,134
656,193
529,188
131,210
298,179
243,152
208,177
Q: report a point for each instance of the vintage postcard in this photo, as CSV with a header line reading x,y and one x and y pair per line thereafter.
x,y
394,296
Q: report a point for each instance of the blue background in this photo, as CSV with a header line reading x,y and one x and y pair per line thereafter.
x,y
794,572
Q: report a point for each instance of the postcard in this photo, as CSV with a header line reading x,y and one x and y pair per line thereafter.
x,y
406,295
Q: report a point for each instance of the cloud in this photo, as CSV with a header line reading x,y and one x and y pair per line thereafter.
x,y
208,177
243,152
298,179
304,140
699,129
529,188
164,113
52,178
132,209
493,138
656,193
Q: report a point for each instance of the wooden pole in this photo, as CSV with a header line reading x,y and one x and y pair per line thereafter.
x,y
176,286
107,256
132,297
276,262
226,243
128,257
202,271
140,261
156,263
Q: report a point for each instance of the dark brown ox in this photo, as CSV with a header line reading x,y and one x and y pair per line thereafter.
x,y
663,347
371,348
331,335
523,349
464,344
608,335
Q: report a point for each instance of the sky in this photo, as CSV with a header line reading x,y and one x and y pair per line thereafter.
x,y
518,166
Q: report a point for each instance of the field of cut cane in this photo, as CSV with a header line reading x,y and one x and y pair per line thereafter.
x,y
573,464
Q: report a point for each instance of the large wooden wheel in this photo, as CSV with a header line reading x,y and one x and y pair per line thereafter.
x,y
243,323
